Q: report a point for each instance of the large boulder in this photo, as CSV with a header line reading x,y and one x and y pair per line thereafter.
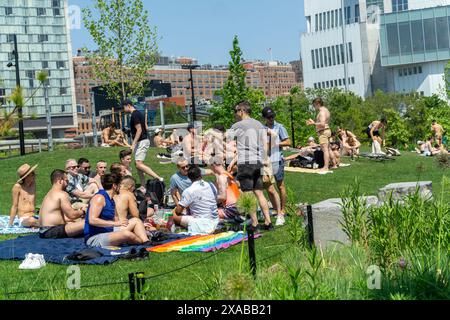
x,y
327,217
400,190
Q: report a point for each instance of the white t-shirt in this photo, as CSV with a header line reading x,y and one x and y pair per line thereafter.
x,y
201,200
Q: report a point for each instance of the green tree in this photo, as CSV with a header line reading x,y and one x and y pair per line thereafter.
x,y
127,46
17,97
234,91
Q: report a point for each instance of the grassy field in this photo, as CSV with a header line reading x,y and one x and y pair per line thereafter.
x,y
213,274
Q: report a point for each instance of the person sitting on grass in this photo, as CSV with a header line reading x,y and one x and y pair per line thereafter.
x,y
125,160
113,137
57,217
159,140
349,141
80,188
228,189
126,205
118,169
431,149
199,201
102,229
100,172
24,198
305,152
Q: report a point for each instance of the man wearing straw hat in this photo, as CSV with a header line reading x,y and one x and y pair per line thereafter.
x,y
24,198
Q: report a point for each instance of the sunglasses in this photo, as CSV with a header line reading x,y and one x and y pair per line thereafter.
x,y
185,167
73,167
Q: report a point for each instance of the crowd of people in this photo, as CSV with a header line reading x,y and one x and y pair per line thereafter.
x,y
103,205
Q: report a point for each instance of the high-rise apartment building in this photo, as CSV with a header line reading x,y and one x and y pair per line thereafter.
x,y
368,45
43,44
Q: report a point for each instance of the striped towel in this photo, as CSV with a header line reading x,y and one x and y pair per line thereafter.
x,y
206,243
15,229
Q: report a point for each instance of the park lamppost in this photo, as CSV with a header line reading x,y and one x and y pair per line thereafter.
x,y
16,65
192,67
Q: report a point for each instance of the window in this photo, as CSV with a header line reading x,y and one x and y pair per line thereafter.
x,y
328,20
329,56
430,32
8,11
332,19
44,64
315,85
342,53
400,73
410,72
321,57
350,49
320,21
317,22
30,74
56,12
419,69
62,91
399,5
60,64
43,37
325,56
56,3
442,33
317,58
63,109
9,38
347,15
353,80
405,38
313,60
338,55
333,49
41,11
417,36
335,83
328,84
392,35
31,83
357,13
340,17
340,82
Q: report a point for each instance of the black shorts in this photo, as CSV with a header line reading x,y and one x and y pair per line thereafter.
x,y
375,133
249,177
58,232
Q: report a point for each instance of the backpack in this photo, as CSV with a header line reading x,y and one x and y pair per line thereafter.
x,y
156,191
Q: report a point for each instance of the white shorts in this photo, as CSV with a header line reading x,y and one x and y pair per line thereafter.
x,y
185,220
140,153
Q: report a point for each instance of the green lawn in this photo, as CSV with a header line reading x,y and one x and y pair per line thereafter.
x,y
190,282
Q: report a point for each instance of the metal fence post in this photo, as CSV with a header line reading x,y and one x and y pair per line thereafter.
x,y
136,282
132,285
84,140
251,251
310,226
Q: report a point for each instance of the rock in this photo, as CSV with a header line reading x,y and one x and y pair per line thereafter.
x,y
401,190
327,217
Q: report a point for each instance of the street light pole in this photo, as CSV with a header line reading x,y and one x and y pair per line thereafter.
x,y
191,67
49,119
292,121
20,111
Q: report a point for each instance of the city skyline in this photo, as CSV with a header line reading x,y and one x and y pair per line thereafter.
x,y
260,25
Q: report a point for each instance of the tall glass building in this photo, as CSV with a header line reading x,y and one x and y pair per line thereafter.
x,y
390,45
44,43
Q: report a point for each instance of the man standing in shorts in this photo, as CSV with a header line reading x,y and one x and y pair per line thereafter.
x,y
438,132
251,141
322,124
140,144
278,138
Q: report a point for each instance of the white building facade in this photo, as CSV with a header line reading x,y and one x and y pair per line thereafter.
x,y
43,36
371,64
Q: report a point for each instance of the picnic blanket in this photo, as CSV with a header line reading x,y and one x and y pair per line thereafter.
x,y
15,229
57,250
316,171
206,243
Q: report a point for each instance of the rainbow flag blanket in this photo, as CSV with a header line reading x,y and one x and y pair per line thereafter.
x,y
206,243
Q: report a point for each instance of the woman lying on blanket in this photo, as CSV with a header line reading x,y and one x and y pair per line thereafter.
x,y
102,229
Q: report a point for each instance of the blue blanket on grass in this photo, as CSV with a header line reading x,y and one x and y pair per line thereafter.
x,y
57,250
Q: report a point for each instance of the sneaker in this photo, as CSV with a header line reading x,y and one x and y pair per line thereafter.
x,y
268,227
39,260
25,263
280,220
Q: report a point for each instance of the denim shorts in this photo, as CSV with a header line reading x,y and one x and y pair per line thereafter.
x,y
278,170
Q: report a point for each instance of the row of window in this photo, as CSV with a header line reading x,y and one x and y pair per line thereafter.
x,y
410,71
333,19
333,83
39,11
331,56
418,36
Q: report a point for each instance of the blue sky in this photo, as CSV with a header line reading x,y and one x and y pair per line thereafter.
x,y
204,29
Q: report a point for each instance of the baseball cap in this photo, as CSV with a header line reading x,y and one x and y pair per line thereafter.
x,y
158,131
191,126
127,102
268,113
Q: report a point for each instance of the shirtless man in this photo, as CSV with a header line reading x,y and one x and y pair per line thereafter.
x,y
126,204
438,132
373,132
24,197
159,141
113,137
322,124
57,217
101,171
350,143
192,146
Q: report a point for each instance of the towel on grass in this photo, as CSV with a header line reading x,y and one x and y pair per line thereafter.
x,y
206,243
15,229
57,250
